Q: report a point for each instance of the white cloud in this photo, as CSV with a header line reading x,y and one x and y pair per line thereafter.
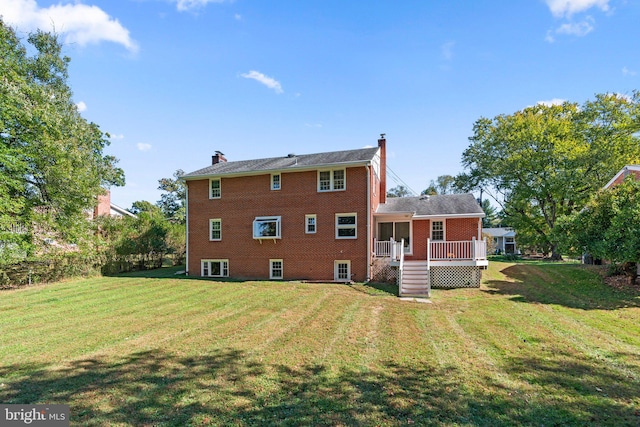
x,y
79,23
238,17
551,102
116,136
549,37
447,50
143,146
269,82
184,5
81,106
566,8
627,72
579,29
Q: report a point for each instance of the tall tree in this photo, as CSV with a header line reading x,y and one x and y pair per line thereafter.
x,y
491,218
608,227
544,162
173,201
399,191
444,184
52,164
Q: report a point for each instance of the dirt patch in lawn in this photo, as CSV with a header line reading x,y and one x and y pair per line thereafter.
x,y
622,283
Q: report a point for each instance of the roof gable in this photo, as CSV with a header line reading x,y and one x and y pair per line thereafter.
x,y
635,169
290,162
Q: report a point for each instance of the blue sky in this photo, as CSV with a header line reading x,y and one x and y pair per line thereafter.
x,y
173,81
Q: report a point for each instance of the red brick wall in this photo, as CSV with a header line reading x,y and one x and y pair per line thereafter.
x,y
462,228
421,232
305,256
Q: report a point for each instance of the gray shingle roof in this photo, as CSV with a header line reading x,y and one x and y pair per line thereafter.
x,y
499,232
303,161
439,205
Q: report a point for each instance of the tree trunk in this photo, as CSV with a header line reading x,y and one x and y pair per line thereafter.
x,y
631,270
555,255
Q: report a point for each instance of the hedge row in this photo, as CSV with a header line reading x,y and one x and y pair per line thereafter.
x,y
49,269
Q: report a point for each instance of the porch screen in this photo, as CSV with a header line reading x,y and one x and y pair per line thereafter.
x,y
396,231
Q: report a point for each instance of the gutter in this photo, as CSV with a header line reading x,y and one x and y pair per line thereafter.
x,y
369,216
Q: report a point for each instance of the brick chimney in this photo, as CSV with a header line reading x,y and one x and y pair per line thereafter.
x,y
382,143
104,205
218,158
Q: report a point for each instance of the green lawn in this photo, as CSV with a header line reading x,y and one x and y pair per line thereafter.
x,y
538,344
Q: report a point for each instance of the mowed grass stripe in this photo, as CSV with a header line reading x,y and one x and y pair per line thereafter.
x,y
525,349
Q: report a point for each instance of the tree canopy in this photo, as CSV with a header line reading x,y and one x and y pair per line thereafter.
x,y
608,227
444,184
544,162
399,191
173,200
52,164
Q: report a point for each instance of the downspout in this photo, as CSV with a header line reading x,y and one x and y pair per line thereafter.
x,y
369,215
187,228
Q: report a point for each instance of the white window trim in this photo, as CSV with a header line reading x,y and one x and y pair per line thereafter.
x,y
339,227
273,187
336,265
211,196
306,223
211,221
276,219
331,178
444,230
271,276
222,267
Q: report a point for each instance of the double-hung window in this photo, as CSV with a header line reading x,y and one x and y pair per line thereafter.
x,y
215,189
346,226
215,229
267,227
332,180
215,267
275,181
437,230
310,224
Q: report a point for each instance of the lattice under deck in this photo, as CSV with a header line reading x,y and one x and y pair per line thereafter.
x,y
456,277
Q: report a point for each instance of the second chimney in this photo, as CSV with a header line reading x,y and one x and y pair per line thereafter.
x,y
218,158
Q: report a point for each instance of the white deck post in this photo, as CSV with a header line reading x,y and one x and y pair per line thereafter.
x,y
473,248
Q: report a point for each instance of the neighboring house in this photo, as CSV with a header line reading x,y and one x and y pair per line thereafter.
x,y
633,170
105,207
326,217
624,172
504,239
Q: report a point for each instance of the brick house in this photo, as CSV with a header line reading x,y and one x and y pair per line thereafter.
x,y
326,217
624,172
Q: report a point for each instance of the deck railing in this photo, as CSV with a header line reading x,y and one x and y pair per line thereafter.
x,y
457,250
436,251
389,249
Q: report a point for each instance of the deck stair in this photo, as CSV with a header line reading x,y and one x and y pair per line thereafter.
x,y
415,279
